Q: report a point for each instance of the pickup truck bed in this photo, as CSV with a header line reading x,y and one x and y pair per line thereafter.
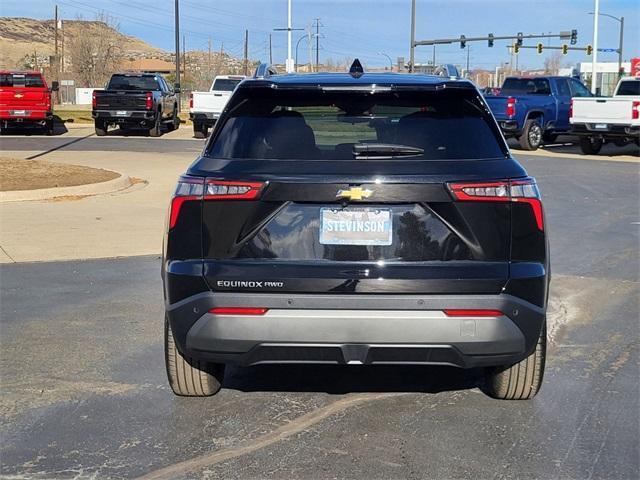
x,y
205,107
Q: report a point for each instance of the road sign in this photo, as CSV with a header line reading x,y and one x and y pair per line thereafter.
x,y
607,49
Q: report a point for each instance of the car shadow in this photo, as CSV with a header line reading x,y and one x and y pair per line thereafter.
x,y
342,379
59,128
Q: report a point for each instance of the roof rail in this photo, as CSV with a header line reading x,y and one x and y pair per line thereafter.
x,y
265,70
356,70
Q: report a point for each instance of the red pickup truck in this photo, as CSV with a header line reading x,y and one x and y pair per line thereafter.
x,y
25,100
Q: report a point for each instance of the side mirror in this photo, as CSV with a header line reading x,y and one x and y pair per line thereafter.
x,y
176,88
54,86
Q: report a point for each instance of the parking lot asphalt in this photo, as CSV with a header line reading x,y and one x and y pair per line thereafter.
x,y
84,393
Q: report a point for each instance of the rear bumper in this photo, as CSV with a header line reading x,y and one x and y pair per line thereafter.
x,y
588,129
142,117
356,329
207,118
30,116
510,128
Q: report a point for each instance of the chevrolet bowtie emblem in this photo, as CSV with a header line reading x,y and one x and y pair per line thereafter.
x,y
18,95
354,193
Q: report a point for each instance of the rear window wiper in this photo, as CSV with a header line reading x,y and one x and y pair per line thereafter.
x,y
385,150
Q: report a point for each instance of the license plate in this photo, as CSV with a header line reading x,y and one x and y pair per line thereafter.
x,y
20,113
121,113
601,126
355,226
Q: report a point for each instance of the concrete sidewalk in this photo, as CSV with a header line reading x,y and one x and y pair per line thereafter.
x,y
124,223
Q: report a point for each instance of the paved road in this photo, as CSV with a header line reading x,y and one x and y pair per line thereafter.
x,y
84,392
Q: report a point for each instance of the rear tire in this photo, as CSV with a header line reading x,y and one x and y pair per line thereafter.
x,y
175,120
187,376
101,128
531,137
48,127
522,380
200,130
156,130
590,145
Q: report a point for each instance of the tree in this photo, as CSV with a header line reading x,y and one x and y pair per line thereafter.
x,y
552,63
97,52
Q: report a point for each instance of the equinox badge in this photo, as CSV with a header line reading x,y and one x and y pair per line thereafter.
x,y
354,193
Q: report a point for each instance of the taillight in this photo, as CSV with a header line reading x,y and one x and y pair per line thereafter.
x,y
635,110
523,191
195,188
571,108
189,189
148,101
94,100
191,100
473,313
511,107
239,311
224,190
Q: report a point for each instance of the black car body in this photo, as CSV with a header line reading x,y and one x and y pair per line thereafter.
x,y
144,101
356,219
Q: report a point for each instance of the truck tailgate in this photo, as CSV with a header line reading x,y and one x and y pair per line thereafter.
x,y
210,101
602,110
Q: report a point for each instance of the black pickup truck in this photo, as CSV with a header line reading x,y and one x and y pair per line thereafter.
x,y
143,101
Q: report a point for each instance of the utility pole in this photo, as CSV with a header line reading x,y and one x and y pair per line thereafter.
x,y
310,45
594,59
433,58
620,46
209,71
184,57
412,52
55,58
317,43
177,35
270,51
289,60
468,50
246,52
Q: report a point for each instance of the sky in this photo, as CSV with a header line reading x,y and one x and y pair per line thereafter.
x,y
366,29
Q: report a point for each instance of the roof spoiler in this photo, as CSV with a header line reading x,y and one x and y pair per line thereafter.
x,y
264,70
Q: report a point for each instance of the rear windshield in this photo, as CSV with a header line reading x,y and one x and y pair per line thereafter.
x,y
19,80
126,82
523,86
225,84
629,88
289,124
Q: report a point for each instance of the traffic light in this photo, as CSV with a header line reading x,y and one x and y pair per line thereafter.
x,y
490,40
539,48
589,50
565,49
516,48
519,40
574,37
463,41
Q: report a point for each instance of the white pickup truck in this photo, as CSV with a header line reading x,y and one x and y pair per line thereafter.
x,y
616,119
205,107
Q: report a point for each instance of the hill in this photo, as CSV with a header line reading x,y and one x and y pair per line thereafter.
x,y
26,36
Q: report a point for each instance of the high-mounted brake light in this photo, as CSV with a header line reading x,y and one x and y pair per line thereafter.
x,y
238,311
189,189
473,313
635,110
148,101
225,190
94,100
511,107
521,191
191,100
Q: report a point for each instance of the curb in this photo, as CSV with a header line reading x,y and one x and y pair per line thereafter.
x,y
89,189
576,156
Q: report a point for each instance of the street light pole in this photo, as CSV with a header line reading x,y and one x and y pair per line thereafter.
x,y
289,59
620,45
177,32
388,57
412,55
594,58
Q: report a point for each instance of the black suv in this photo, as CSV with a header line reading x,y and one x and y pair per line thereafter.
x,y
356,218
